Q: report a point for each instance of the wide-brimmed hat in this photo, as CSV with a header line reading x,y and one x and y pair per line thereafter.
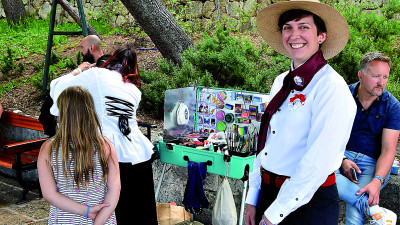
x,y
336,25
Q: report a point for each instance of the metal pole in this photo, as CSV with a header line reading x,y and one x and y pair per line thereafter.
x,y
242,204
49,45
82,16
160,181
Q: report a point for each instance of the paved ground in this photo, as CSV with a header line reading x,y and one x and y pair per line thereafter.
x,y
33,211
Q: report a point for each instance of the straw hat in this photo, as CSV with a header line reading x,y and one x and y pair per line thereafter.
x,y
336,25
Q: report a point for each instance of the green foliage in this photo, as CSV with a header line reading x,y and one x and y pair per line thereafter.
x,y
221,61
7,61
8,86
368,32
20,67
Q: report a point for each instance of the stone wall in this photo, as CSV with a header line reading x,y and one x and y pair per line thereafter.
x,y
238,14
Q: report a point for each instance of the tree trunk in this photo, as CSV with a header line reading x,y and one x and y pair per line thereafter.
x,y
75,15
161,27
14,10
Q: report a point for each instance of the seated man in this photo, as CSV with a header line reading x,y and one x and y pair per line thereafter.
x,y
372,145
92,53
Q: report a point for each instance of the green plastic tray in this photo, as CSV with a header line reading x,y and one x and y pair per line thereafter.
x,y
239,167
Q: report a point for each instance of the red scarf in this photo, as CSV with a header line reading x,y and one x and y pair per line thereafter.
x,y
297,79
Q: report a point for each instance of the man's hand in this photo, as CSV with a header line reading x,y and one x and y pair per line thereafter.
x,y
373,189
346,167
250,218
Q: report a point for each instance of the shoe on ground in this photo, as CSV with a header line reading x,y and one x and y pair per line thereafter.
x,y
386,217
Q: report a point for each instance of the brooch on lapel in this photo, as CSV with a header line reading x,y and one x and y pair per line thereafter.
x,y
296,101
298,81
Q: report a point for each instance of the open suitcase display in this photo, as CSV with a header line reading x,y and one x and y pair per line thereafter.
x,y
208,111
201,111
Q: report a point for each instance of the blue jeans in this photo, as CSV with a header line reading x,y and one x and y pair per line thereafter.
x,y
357,205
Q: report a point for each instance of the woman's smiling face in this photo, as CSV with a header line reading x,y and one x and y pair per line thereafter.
x,y
301,39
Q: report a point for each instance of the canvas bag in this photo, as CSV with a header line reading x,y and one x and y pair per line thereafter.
x,y
224,212
168,214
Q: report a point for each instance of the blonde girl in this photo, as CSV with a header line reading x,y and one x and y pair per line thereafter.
x,y
78,168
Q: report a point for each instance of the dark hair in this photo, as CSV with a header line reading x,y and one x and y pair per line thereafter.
x,y
124,60
297,14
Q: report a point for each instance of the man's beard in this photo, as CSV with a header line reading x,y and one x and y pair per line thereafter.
x,y
88,57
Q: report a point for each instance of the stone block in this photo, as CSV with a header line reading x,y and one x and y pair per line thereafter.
x,y
2,13
208,9
194,9
30,10
233,9
371,4
97,2
44,10
250,7
36,3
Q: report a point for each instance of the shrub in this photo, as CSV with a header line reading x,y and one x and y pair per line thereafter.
x,y
217,61
8,61
368,32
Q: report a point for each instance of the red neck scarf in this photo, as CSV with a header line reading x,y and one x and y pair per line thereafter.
x,y
297,79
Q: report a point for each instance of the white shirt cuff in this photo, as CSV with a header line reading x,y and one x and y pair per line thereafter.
x,y
252,196
276,213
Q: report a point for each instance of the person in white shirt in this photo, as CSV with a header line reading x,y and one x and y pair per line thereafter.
x,y
306,126
116,96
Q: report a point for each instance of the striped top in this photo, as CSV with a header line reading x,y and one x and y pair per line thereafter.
x,y
93,195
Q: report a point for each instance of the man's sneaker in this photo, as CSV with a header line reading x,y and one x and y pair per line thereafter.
x,y
386,217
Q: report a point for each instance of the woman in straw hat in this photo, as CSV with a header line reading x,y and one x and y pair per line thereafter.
x,y
305,128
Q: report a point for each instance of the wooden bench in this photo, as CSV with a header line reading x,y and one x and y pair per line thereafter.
x,y
16,153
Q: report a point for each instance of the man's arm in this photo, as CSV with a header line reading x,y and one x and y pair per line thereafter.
x,y
383,165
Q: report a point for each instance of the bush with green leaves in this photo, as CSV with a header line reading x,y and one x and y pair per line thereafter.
x,y
370,31
7,61
221,60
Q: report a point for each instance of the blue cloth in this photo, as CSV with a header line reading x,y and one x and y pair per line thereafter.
x,y
366,135
357,205
194,199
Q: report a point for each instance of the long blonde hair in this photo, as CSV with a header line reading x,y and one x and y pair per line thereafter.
x,y
79,134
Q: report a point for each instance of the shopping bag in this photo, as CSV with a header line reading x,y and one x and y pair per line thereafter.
x,y
224,212
168,214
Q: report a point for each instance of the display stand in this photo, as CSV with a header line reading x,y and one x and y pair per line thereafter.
x,y
180,155
230,116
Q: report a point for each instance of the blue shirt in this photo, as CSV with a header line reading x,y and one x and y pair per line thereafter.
x,y
366,135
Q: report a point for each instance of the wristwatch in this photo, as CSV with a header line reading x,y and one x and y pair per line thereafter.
x,y
380,179
344,157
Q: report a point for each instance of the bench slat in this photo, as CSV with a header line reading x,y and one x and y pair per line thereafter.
x,y
24,146
9,159
15,119
6,162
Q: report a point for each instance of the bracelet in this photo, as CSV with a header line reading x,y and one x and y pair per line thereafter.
x,y
380,179
263,223
79,70
87,212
